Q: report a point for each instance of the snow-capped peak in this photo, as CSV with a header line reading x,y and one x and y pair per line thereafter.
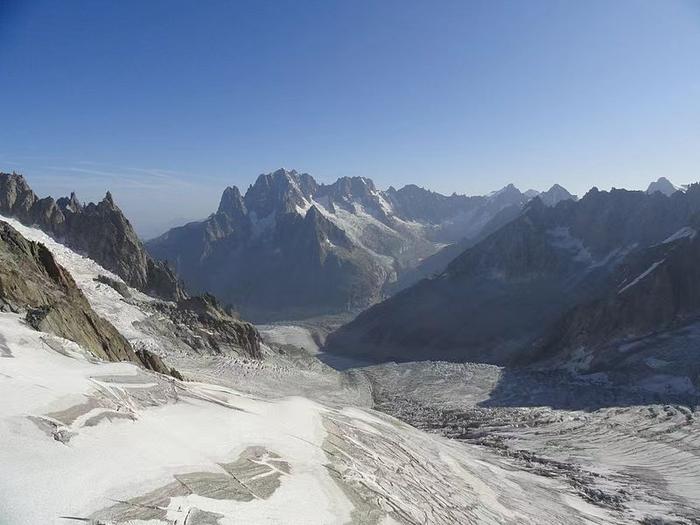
x,y
555,195
663,185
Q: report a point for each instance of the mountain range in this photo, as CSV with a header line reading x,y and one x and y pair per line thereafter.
x,y
172,408
611,266
292,247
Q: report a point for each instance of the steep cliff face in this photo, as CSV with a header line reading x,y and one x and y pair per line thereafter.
x,y
31,281
653,290
100,231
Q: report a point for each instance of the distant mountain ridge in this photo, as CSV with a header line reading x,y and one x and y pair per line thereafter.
x,y
291,246
505,292
663,185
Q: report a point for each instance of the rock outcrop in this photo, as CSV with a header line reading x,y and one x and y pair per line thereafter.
x,y
100,231
153,362
212,328
32,282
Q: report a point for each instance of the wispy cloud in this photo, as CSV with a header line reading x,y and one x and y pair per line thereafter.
x,y
92,173
124,177
91,176
152,197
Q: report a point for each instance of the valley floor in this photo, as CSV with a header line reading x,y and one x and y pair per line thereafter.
x,y
633,454
106,443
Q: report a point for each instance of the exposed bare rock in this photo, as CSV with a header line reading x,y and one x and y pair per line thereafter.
x,y
32,281
119,286
153,362
100,231
207,326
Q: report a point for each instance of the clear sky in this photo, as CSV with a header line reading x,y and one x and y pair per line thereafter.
x,y
167,102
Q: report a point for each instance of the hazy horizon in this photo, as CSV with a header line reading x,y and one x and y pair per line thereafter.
x,y
167,103
94,193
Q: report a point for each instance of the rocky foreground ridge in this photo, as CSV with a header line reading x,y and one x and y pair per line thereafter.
x,y
52,301
31,281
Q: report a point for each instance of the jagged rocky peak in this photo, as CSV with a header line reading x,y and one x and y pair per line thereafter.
x,y
510,194
108,200
507,196
16,197
508,189
555,195
70,204
662,185
352,188
282,191
101,231
232,203
347,192
18,200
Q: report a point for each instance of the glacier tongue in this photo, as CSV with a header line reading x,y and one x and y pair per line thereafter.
x,y
115,443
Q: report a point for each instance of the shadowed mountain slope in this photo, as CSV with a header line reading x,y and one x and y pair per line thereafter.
x,y
504,292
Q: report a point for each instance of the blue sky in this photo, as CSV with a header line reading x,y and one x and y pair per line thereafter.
x,y
166,103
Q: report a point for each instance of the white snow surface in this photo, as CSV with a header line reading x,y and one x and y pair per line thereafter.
x,y
81,436
683,233
195,427
641,276
294,335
